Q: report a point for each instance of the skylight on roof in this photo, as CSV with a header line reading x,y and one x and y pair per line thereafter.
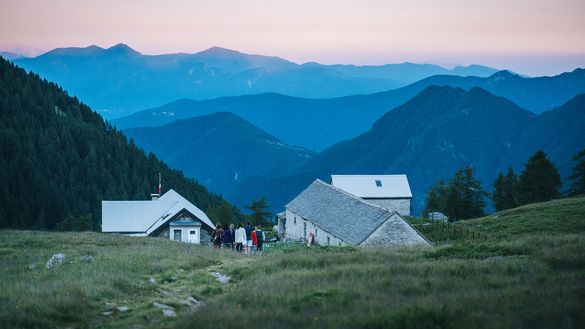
x,y
378,183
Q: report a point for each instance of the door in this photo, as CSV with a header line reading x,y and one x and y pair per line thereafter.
x,y
177,235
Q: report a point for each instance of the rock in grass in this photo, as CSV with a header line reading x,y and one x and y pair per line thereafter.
x,y
87,259
169,313
165,292
32,266
162,306
152,281
189,301
123,309
223,279
107,313
173,279
55,260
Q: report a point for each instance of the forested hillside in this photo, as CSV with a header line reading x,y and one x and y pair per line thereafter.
x,y
59,158
218,149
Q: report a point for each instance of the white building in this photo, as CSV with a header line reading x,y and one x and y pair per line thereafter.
x,y
387,191
335,217
169,215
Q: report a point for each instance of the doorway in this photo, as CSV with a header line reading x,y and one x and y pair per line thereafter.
x,y
177,235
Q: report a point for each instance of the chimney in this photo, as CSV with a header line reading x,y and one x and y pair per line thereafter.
x,y
155,196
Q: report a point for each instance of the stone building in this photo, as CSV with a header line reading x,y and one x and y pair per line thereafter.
x,y
387,191
170,216
335,217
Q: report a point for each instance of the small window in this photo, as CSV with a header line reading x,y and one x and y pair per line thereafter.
x,y
328,241
192,232
295,219
378,183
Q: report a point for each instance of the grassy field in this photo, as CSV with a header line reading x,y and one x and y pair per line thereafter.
x,y
522,268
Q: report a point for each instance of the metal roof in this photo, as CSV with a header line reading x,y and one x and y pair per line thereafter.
x,y
147,216
374,186
340,213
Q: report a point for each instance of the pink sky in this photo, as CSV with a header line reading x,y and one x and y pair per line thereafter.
x,y
534,37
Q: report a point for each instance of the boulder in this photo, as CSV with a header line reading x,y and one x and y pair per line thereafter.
x,y
55,260
169,313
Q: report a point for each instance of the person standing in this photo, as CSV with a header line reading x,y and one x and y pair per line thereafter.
x,y
249,229
240,237
259,239
233,233
254,242
217,236
227,237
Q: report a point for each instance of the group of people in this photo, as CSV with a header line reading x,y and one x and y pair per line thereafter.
x,y
248,239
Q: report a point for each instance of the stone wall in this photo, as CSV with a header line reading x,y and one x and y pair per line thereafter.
x,y
401,206
395,232
296,230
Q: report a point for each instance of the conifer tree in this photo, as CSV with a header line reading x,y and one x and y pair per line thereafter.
x,y
505,194
578,175
260,214
436,199
540,181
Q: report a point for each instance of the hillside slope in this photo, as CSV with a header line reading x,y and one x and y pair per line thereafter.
x,y
60,158
320,123
524,270
218,149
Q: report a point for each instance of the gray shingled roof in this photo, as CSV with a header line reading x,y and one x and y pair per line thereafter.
x,y
342,214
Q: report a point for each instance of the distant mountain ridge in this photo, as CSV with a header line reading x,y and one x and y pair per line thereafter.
x,y
218,149
320,123
431,136
118,80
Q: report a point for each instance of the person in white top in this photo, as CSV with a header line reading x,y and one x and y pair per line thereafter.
x,y
240,237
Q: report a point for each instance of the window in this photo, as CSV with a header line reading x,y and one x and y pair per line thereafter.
x,y
328,241
378,183
192,232
295,219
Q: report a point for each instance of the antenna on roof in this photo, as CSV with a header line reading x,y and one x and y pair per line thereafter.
x,y
159,184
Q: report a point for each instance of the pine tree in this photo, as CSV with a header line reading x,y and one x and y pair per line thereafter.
x,y
436,199
464,196
578,175
505,194
260,214
461,198
540,181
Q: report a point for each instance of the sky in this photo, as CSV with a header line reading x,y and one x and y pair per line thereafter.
x,y
532,37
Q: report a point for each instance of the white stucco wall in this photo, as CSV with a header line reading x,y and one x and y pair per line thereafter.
x,y
185,236
394,232
401,206
295,231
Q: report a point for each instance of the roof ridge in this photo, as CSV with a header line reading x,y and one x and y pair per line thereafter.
x,y
355,197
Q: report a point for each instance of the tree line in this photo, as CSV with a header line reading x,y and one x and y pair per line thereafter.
x,y
462,197
60,159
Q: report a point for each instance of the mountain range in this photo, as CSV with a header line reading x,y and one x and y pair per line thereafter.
x,y
319,123
118,80
440,130
218,149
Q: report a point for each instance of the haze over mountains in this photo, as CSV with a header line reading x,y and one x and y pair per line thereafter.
x,y
440,130
319,123
118,81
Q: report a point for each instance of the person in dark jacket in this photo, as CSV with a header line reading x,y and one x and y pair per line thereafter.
x,y
217,235
249,229
227,238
